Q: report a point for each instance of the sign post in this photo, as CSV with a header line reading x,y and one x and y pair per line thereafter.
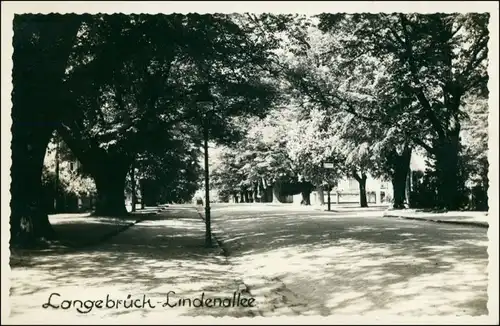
x,y
328,165
329,202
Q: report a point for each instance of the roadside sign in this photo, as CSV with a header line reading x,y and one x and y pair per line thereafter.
x,y
328,165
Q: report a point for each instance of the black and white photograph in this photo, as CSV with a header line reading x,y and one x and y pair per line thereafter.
x,y
227,162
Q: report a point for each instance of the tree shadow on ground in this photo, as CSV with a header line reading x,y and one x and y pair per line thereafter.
x,y
156,256
294,264
361,265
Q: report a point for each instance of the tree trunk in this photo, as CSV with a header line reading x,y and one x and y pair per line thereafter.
x,y
447,171
401,167
28,152
110,186
446,147
255,193
306,197
142,187
362,192
262,191
247,197
408,199
235,198
399,185
132,180
362,188
305,189
276,189
321,194
35,103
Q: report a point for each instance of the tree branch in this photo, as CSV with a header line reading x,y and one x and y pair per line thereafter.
x,y
420,142
397,37
478,47
457,30
83,152
355,175
418,90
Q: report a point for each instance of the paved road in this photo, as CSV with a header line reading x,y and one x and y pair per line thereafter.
x,y
314,262
294,262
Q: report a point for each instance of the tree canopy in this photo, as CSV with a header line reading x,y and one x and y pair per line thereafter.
x,y
282,94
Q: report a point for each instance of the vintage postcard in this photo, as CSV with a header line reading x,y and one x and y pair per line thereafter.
x,y
249,162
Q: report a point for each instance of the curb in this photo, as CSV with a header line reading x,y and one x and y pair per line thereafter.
x,y
467,223
215,237
216,234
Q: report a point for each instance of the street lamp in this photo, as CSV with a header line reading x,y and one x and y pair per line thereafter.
x,y
56,188
205,99
328,165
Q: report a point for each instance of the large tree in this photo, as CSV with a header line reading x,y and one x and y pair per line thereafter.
x,y
144,92
359,104
438,59
120,92
42,46
310,144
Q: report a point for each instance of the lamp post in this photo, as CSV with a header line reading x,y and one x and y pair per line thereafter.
x,y
328,165
56,188
205,99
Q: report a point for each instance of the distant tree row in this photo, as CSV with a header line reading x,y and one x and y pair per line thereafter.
x,y
365,92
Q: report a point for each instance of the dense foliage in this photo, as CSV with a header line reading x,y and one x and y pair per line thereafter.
x,y
134,96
